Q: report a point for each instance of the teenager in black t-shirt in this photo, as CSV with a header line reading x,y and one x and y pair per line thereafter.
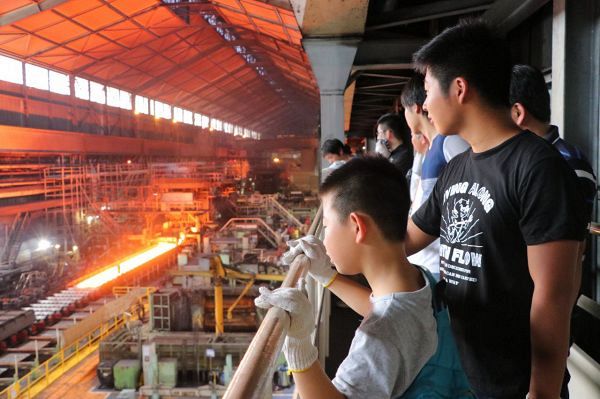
x,y
509,218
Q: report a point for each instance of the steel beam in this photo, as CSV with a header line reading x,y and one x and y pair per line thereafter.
x,y
426,12
505,15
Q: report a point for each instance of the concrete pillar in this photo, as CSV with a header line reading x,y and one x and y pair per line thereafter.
x,y
331,60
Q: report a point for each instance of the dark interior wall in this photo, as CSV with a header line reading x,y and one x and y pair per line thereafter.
x,y
531,42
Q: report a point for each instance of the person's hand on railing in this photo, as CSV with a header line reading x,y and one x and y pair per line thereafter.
x,y
298,349
321,268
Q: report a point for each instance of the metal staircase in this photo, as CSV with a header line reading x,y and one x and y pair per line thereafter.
x,y
14,239
253,224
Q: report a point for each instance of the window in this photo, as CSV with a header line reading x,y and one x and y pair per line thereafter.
x,y
12,70
177,114
141,105
188,117
36,77
125,99
97,93
59,83
162,110
197,119
112,96
205,121
152,108
246,133
216,124
82,88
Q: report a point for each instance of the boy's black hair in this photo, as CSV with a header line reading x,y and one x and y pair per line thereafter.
x,y
374,186
528,87
397,124
332,146
413,92
470,50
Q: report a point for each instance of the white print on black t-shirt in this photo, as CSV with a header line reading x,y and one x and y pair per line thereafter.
x,y
481,193
459,228
459,222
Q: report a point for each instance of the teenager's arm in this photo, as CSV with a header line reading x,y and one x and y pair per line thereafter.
x,y
352,293
552,267
314,384
416,239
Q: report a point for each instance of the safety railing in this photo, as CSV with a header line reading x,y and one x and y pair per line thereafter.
x,y
253,376
42,375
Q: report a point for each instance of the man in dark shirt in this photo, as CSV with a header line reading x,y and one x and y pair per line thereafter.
x,y
510,220
392,129
530,110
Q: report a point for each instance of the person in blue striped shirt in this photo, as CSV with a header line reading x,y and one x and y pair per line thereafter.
x,y
530,102
427,167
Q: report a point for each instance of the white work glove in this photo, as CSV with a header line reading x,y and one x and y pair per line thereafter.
x,y
321,268
298,349
382,149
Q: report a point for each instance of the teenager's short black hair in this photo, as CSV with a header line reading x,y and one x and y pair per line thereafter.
x,y
470,50
374,186
397,124
332,146
413,92
528,87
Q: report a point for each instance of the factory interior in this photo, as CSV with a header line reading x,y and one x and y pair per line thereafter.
x,y
157,155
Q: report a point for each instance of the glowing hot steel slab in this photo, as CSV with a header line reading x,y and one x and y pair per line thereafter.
x,y
126,266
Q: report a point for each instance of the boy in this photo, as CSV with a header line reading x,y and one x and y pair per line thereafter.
x,y
365,207
509,216
440,151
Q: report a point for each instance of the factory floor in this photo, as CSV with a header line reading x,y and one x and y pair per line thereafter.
x,y
79,382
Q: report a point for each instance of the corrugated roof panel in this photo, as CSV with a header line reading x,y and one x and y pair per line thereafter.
x,y
98,18
39,21
27,45
229,4
261,10
136,56
288,19
73,63
120,30
9,33
106,50
63,31
130,8
87,43
72,8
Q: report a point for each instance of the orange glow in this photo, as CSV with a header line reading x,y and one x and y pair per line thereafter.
x,y
126,266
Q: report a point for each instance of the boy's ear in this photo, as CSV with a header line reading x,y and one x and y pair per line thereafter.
x,y
518,114
461,89
359,225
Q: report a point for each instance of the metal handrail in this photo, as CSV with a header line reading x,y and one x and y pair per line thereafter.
x,y
255,369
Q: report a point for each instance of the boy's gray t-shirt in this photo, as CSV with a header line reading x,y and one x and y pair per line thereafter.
x,y
390,347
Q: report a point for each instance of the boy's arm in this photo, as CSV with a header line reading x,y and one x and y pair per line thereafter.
x,y
552,267
314,384
416,239
352,293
